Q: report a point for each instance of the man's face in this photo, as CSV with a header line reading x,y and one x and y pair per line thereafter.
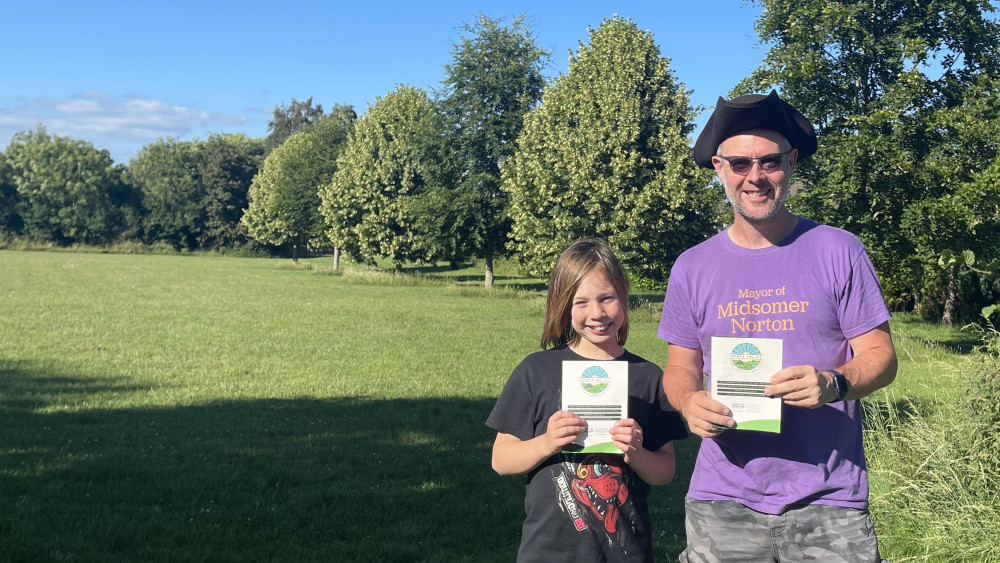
x,y
758,195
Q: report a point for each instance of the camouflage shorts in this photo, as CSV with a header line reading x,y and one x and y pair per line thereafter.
x,y
724,531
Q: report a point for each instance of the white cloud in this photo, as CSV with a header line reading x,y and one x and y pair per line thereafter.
x,y
122,125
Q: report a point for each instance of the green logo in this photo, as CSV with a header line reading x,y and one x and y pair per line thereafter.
x,y
595,380
745,356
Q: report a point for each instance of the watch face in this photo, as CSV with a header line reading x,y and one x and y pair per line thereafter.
x,y
841,383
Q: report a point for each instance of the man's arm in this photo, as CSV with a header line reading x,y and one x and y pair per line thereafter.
x,y
683,382
873,366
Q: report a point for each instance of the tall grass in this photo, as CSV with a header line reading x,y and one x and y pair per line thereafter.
x,y
935,464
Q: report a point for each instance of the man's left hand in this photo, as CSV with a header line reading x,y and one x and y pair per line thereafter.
x,y
802,386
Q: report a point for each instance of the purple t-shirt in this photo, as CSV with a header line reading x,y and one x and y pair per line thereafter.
x,y
814,290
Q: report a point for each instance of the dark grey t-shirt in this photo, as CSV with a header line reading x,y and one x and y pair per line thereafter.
x,y
583,507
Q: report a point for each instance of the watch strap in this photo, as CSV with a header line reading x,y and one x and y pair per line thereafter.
x,y
840,383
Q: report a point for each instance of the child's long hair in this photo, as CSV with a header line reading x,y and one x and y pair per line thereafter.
x,y
582,257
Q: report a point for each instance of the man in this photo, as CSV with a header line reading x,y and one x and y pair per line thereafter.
x,y
802,493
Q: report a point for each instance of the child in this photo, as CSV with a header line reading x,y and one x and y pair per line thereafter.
x,y
584,507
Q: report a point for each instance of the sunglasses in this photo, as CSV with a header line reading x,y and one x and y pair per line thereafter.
x,y
768,163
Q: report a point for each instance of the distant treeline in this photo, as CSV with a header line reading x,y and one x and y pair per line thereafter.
x,y
499,162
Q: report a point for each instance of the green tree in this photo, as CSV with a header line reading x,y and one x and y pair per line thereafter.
x,y
167,174
129,199
389,195
289,120
494,79
284,198
227,167
11,223
298,116
891,86
966,220
67,190
607,154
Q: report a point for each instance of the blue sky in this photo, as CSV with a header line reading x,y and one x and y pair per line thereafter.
x,y
124,74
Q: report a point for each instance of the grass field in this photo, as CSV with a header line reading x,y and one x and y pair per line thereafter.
x,y
199,408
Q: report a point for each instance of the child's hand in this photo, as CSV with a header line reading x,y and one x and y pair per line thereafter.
x,y
564,428
654,467
627,436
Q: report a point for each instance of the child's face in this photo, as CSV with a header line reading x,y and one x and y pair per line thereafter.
x,y
598,313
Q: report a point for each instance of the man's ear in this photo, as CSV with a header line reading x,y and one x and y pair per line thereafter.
x,y
717,163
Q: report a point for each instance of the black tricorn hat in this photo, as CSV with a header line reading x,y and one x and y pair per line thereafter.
x,y
754,111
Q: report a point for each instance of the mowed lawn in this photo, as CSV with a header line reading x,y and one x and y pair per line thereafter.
x,y
200,408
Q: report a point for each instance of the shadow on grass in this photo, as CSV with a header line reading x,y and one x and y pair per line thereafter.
x,y
512,282
438,269
884,416
345,479
504,281
960,344
953,339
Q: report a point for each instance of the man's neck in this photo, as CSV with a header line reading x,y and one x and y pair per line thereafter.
x,y
764,233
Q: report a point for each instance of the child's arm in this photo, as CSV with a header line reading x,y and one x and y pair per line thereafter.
x,y
654,467
513,456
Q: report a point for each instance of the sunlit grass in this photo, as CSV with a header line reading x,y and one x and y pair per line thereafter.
x,y
205,408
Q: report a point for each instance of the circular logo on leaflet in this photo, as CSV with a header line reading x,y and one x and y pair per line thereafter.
x,y
594,380
745,356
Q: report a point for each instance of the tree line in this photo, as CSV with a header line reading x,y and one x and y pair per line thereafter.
x,y
499,162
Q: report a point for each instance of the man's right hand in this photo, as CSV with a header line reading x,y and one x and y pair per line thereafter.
x,y
705,416
683,382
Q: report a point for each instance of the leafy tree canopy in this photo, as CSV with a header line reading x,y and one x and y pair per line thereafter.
x,y
493,80
284,198
66,190
10,217
227,166
378,203
607,154
895,89
298,116
167,175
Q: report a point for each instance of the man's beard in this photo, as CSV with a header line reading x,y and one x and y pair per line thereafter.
x,y
780,191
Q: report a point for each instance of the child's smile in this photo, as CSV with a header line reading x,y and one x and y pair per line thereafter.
x,y
597,314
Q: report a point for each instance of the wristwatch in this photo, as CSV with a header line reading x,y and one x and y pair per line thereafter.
x,y
841,383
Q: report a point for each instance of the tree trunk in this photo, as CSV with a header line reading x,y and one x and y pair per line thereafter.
x,y
948,317
336,258
489,271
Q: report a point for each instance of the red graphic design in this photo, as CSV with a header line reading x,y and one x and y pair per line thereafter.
x,y
600,486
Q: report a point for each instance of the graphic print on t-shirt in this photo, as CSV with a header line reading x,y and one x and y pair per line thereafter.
x,y
593,492
762,310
